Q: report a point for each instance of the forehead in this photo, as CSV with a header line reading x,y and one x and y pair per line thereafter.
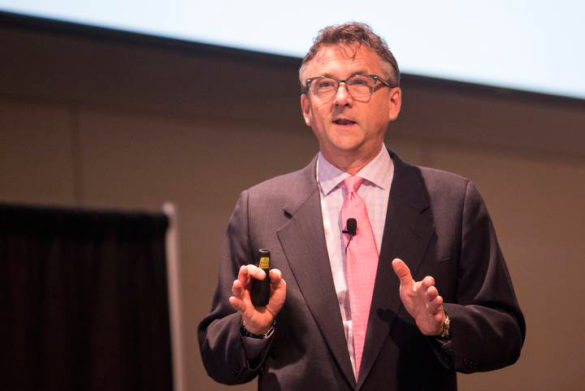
x,y
341,60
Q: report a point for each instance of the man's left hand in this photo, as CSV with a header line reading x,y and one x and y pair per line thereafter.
x,y
421,300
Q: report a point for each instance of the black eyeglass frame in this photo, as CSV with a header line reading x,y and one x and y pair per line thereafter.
x,y
376,78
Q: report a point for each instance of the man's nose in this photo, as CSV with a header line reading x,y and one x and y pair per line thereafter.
x,y
342,95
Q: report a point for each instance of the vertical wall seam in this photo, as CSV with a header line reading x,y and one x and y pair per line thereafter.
x,y
76,156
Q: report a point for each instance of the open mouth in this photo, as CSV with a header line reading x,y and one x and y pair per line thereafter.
x,y
343,121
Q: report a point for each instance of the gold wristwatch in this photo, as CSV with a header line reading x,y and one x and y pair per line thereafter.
x,y
446,328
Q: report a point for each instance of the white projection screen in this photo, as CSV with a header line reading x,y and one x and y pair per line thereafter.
x,y
519,44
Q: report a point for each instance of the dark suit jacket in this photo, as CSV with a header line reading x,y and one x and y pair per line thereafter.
x,y
436,222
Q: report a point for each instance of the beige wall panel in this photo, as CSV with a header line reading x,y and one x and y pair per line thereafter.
x,y
537,124
36,153
538,208
148,77
139,161
407,148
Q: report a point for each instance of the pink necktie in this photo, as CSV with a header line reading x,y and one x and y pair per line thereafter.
x,y
361,264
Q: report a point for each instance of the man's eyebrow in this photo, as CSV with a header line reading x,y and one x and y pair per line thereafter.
x,y
359,72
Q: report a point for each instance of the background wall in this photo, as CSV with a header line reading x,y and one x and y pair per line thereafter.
x,y
99,119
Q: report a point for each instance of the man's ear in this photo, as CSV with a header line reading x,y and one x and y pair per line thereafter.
x,y
394,103
306,109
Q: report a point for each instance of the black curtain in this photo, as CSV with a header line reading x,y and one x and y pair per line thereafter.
x,y
84,300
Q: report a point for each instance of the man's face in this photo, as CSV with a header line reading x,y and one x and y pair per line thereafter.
x,y
346,128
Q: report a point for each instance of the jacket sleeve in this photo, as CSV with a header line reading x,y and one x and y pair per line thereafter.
x,y
220,343
487,325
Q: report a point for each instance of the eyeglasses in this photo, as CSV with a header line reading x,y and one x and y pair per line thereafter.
x,y
360,87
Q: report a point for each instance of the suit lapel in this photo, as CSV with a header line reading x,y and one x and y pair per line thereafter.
x,y
407,232
303,243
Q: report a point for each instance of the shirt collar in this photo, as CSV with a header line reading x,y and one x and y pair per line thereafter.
x,y
379,172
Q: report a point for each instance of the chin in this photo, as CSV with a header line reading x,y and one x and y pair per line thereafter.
x,y
348,144
345,149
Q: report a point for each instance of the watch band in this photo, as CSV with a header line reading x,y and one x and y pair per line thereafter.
x,y
245,333
446,327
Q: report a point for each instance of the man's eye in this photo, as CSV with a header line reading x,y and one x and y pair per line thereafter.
x,y
325,84
359,81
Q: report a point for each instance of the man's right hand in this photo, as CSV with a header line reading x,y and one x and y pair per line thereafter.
x,y
257,320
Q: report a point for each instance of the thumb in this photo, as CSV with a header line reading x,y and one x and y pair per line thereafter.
x,y
402,272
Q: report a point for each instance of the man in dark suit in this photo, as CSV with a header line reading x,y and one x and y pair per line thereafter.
x,y
440,298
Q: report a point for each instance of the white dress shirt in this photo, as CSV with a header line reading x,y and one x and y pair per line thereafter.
x,y
375,191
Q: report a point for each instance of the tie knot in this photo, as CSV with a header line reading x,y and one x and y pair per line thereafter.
x,y
352,183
